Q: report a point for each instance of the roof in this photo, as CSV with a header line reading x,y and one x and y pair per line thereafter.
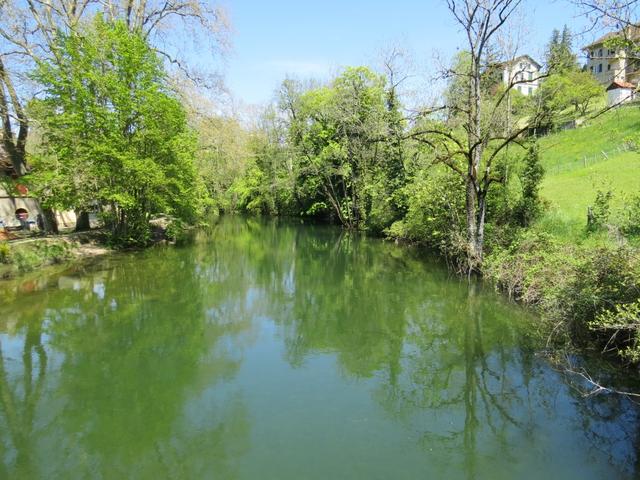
x,y
632,32
521,57
616,84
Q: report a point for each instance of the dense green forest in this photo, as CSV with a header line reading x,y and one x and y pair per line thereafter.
x,y
117,127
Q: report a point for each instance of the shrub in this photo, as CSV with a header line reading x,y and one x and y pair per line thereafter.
x,y
570,285
530,205
622,326
630,222
435,213
598,214
5,253
28,257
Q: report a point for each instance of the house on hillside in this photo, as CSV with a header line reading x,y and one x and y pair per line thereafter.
x,y
524,71
615,67
609,64
17,208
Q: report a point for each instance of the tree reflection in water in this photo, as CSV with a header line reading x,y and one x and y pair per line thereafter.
x,y
134,350
445,355
137,367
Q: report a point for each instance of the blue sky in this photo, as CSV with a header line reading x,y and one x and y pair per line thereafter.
x,y
276,38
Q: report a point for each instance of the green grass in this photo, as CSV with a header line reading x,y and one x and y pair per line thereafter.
x,y
571,183
573,191
607,133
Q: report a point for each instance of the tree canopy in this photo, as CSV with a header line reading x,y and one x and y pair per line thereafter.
x,y
115,137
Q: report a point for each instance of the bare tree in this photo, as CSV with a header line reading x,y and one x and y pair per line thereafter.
x,y
610,13
485,133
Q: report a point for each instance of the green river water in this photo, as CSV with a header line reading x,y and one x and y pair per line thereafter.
x,y
274,350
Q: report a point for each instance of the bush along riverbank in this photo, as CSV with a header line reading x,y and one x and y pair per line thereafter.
x,y
24,256
587,295
30,254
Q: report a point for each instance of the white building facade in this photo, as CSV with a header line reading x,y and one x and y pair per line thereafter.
x,y
611,64
523,73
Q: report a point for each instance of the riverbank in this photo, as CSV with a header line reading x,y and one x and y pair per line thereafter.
x,y
20,257
582,291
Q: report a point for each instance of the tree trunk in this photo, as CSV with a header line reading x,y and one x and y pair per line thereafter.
x,y
82,221
475,227
14,146
50,224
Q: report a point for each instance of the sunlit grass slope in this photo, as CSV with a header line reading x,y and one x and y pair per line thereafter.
x,y
582,161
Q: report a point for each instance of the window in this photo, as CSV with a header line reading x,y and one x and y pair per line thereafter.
x,y
530,90
608,67
530,75
591,68
600,52
519,87
599,68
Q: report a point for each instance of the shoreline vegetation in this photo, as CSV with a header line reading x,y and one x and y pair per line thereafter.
x,y
485,174
27,255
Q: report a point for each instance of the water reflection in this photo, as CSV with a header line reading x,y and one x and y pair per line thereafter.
x,y
209,360
133,352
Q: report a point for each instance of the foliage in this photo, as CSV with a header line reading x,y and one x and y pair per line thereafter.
x,y
630,222
530,205
222,156
114,137
574,89
435,212
570,285
27,257
623,325
332,151
5,252
559,54
598,215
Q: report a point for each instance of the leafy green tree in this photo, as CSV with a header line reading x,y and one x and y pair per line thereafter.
x,y
570,89
114,135
340,127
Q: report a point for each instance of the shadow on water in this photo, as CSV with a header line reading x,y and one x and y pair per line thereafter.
x,y
269,349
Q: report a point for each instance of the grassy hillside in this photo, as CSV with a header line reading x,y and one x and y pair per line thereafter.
x,y
607,133
577,168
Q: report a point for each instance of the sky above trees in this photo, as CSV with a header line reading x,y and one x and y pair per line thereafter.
x,y
315,39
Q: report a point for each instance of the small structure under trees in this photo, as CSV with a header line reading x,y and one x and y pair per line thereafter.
x,y
620,92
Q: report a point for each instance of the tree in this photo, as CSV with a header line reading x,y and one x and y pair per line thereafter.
x,y
485,132
337,134
605,13
28,29
570,89
622,15
559,55
114,136
11,109
530,205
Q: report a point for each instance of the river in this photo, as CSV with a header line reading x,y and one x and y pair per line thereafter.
x,y
277,350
